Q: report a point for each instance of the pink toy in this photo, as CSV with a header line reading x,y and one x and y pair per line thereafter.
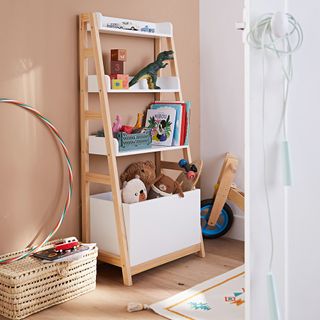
x,y
116,126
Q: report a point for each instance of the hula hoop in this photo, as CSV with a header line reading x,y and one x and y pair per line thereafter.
x,y
65,210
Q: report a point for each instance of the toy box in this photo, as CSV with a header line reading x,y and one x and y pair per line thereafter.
x,y
169,224
30,285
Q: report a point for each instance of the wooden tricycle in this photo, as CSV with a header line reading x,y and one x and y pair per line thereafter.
x,y
216,214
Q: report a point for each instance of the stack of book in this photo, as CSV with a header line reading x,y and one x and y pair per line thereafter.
x,y
169,123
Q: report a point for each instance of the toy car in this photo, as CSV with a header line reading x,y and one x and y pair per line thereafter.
x,y
66,244
128,25
146,28
114,25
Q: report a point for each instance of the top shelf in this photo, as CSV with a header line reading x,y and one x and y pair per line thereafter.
x,y
134,28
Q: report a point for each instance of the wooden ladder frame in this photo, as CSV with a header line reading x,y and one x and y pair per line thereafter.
x,y
87,177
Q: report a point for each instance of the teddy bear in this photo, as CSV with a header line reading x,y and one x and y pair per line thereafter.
x,y
144,169
134,191
164,186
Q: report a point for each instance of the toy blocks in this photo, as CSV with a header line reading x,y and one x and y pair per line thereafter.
x,y
119,80
117,67
117,84
119,55
123,77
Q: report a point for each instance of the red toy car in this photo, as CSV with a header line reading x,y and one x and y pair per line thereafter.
x,y
66,244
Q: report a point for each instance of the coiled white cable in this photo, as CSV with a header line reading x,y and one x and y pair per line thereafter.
x,y
283,43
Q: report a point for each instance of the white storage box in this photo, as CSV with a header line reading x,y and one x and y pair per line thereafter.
x,y
154,227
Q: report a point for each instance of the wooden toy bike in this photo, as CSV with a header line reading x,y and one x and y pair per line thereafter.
x,y
216,214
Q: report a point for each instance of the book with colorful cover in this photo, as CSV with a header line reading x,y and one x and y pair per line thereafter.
x,y
185,115
187,126
178,123
162,123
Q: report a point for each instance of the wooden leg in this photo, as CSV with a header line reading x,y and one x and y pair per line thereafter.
x,y
126,276
187,156
84,132
112,162
221,194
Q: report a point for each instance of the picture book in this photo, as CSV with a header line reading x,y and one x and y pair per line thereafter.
x,y
178,123
185,119
162,123
188,116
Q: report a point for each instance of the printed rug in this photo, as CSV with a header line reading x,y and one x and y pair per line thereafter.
x,y
221,298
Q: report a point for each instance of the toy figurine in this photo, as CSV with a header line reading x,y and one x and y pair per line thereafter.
x,y
150,71
190,169
126,129
116,126
138,124
188,179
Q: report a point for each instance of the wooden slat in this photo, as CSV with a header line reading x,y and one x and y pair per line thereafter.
x,y
84,128
89,115
174,66
165,259
157,50
237,197
88,52
112,162
226,178
110,258
157,158
98,178
170,165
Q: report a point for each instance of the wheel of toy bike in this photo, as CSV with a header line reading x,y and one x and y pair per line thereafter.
x,y
223,224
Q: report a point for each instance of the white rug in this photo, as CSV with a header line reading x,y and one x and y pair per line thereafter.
x,y
220,298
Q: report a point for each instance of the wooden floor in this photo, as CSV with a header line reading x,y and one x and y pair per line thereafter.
x,y
110,299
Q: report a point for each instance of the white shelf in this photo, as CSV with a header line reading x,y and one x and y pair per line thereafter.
x,y
97,147
161,29
167,84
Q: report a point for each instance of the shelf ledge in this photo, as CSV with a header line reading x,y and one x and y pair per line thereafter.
x,y
167,84
97,147
134,28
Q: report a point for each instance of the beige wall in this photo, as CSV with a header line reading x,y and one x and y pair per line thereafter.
x,y
39,66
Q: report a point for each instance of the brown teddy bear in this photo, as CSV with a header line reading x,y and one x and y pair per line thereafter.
x,y
144,169
164,186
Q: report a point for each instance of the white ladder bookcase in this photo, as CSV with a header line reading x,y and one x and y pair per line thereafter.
x,y
93,24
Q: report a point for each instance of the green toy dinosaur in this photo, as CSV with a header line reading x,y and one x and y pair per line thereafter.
x,y
150,71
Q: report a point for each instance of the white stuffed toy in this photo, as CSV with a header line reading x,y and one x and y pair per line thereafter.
x,y
134,191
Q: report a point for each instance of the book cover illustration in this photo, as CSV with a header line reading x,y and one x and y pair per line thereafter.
x,y
162,123
178,123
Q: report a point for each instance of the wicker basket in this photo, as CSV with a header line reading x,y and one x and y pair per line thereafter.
x,y
29,286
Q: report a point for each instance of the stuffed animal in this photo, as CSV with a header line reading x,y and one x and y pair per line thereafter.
x,y
164,186
134,191
144,169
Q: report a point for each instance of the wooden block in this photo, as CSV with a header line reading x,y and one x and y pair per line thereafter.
x,y
123,77
118,55
117,84
117,67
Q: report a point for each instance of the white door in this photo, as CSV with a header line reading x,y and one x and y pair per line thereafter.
x,y
295,227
